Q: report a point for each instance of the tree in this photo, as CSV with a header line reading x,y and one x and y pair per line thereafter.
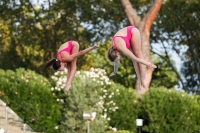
x,y
32,34
175,34
144,26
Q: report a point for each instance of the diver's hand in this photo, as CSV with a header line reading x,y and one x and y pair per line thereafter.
x,y
95,47
112,74
150,65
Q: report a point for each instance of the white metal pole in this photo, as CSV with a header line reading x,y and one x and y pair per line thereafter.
x,y
24,127
88,123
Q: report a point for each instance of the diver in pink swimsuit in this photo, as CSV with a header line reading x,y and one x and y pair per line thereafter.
x,y
128,42
126,38
68,49
66,58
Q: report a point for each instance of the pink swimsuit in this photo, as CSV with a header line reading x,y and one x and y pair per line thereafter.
x,y
126,38
68,50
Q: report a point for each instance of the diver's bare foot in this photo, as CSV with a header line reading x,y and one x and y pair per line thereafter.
x,y
151,66
68,86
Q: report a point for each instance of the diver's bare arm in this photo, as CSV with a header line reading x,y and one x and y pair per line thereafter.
x,y
75,55
116,66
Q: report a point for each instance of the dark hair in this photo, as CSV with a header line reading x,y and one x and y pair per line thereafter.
x,y
54,62
112,54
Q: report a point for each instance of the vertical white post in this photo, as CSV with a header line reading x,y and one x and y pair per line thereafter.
x,y
6,119
24,127
88,124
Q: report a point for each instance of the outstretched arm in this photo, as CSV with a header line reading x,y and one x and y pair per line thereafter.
x,y
116,66
75,55
128,53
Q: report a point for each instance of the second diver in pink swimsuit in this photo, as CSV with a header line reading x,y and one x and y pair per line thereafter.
x,y
127,41
126,38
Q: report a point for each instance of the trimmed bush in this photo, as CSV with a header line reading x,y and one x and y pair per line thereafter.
x,y
28,94
161,109
169,111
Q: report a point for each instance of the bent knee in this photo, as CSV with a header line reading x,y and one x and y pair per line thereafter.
x,y
75,47
75,44
135,31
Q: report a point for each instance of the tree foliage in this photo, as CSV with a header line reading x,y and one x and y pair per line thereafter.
x,y
30,34
176,27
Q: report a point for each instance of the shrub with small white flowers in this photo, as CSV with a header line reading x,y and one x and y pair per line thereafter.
x,y
92,88
83,96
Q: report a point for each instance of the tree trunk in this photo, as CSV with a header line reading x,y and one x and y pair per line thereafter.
x,y
144,26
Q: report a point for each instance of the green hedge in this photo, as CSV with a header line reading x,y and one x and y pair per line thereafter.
x,y
28,94
169,111
161,109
